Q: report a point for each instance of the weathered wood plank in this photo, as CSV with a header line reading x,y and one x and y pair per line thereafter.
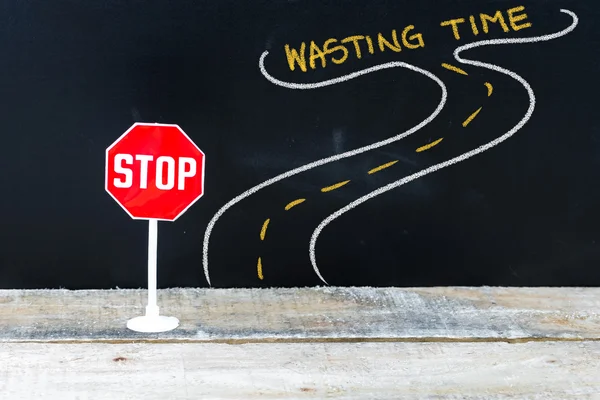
x,y
329,313
399,370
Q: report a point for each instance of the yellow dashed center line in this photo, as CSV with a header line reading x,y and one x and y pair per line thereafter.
x,y
454,69
428,146
263,231
333,187
490,88
259,269
471,117
384,166
294,203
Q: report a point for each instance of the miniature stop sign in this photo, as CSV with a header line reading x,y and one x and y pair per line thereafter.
x,y
155,171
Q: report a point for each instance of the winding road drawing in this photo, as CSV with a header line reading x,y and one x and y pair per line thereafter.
x,y
443,94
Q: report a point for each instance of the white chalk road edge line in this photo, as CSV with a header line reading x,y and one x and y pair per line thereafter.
x,y
462,157
398,137
323,161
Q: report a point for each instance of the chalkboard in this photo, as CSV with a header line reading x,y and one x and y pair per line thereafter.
x,y
357,143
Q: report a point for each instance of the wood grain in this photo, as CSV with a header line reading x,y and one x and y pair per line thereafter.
x,y
313,314
151,371
309,343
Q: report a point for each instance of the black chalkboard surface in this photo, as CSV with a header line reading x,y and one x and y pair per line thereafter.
x,y
382,143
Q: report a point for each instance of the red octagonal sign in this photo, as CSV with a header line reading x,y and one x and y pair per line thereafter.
x,y
155,171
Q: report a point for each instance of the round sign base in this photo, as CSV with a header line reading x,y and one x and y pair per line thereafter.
x,y
152,323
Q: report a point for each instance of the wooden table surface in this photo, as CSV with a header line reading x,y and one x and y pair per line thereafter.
x,y
305,343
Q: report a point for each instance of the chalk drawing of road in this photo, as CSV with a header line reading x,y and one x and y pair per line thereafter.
x,y
443,94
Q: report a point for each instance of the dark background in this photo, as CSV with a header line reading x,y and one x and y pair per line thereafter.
x,y
75,74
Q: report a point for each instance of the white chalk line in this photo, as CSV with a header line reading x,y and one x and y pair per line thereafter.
x,y
323,161
462,157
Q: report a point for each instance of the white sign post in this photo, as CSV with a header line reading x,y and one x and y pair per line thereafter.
x,y
152,321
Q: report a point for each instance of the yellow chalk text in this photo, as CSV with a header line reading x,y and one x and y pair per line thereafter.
x,y
313,55
513,19
484,21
